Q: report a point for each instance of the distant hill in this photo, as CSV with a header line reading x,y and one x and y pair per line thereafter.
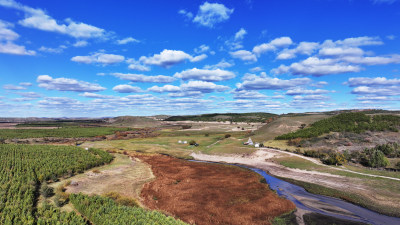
x,y
259,117
132,121
354,122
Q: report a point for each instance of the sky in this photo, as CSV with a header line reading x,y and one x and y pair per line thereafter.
x,y
141,58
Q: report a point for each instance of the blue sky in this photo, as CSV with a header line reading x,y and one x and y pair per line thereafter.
x,y
86,58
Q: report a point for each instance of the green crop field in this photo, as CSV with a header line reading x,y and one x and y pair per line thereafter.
x,y
65,132
24,168
101,210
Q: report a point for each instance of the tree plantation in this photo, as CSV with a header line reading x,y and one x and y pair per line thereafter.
x,y
346,122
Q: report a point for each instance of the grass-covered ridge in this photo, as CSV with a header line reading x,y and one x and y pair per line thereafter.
x,y
356,122
259,117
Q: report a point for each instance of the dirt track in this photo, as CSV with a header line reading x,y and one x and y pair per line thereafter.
x,y
203,193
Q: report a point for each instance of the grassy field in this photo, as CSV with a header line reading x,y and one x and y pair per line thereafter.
x,y
167,143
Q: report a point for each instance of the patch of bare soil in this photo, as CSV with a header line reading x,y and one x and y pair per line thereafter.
x,y
125,177
203,193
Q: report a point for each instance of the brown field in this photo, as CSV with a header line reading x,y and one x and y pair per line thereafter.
x,y
203,193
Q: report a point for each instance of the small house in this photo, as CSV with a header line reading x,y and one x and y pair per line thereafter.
x,y
249,142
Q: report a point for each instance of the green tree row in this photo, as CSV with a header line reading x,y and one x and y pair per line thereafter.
x,y
102,210
24,167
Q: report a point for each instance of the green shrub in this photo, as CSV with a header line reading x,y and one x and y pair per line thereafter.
x,y
46,191
227,135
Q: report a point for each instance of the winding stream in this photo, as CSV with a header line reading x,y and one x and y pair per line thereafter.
x,y
321,204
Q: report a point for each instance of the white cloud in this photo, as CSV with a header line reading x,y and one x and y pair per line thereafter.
x,y
199,58
272,45
354,42
165,88
144,78
256,69
244,94
340,51
100,58
304,48
317,67
191,86
38,19
125,88
168,58
210,14
372,60
94,95
201,49
235,42
30,95
136,65
7,38
244,55
240,34
311,97
254,82
221,65
59,49
376,91
369,81
13,87
80,43
203,86
67,84
185,13
302,91
127,40
205,75
26,84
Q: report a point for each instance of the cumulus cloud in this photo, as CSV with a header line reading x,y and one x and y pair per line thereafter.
x,y
7,38
205,75
317,67
13,87
190,88
31,94
38,19
136,65
221,65
97,96
67,84
380,91
304,48
372,81
244,55
201,49
236,41
302,91
125,88
168,58
127,40
59,49
99,58
144,78
26,84
81,43
210,14
272,45
244,94
165,88
254,82
188,15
